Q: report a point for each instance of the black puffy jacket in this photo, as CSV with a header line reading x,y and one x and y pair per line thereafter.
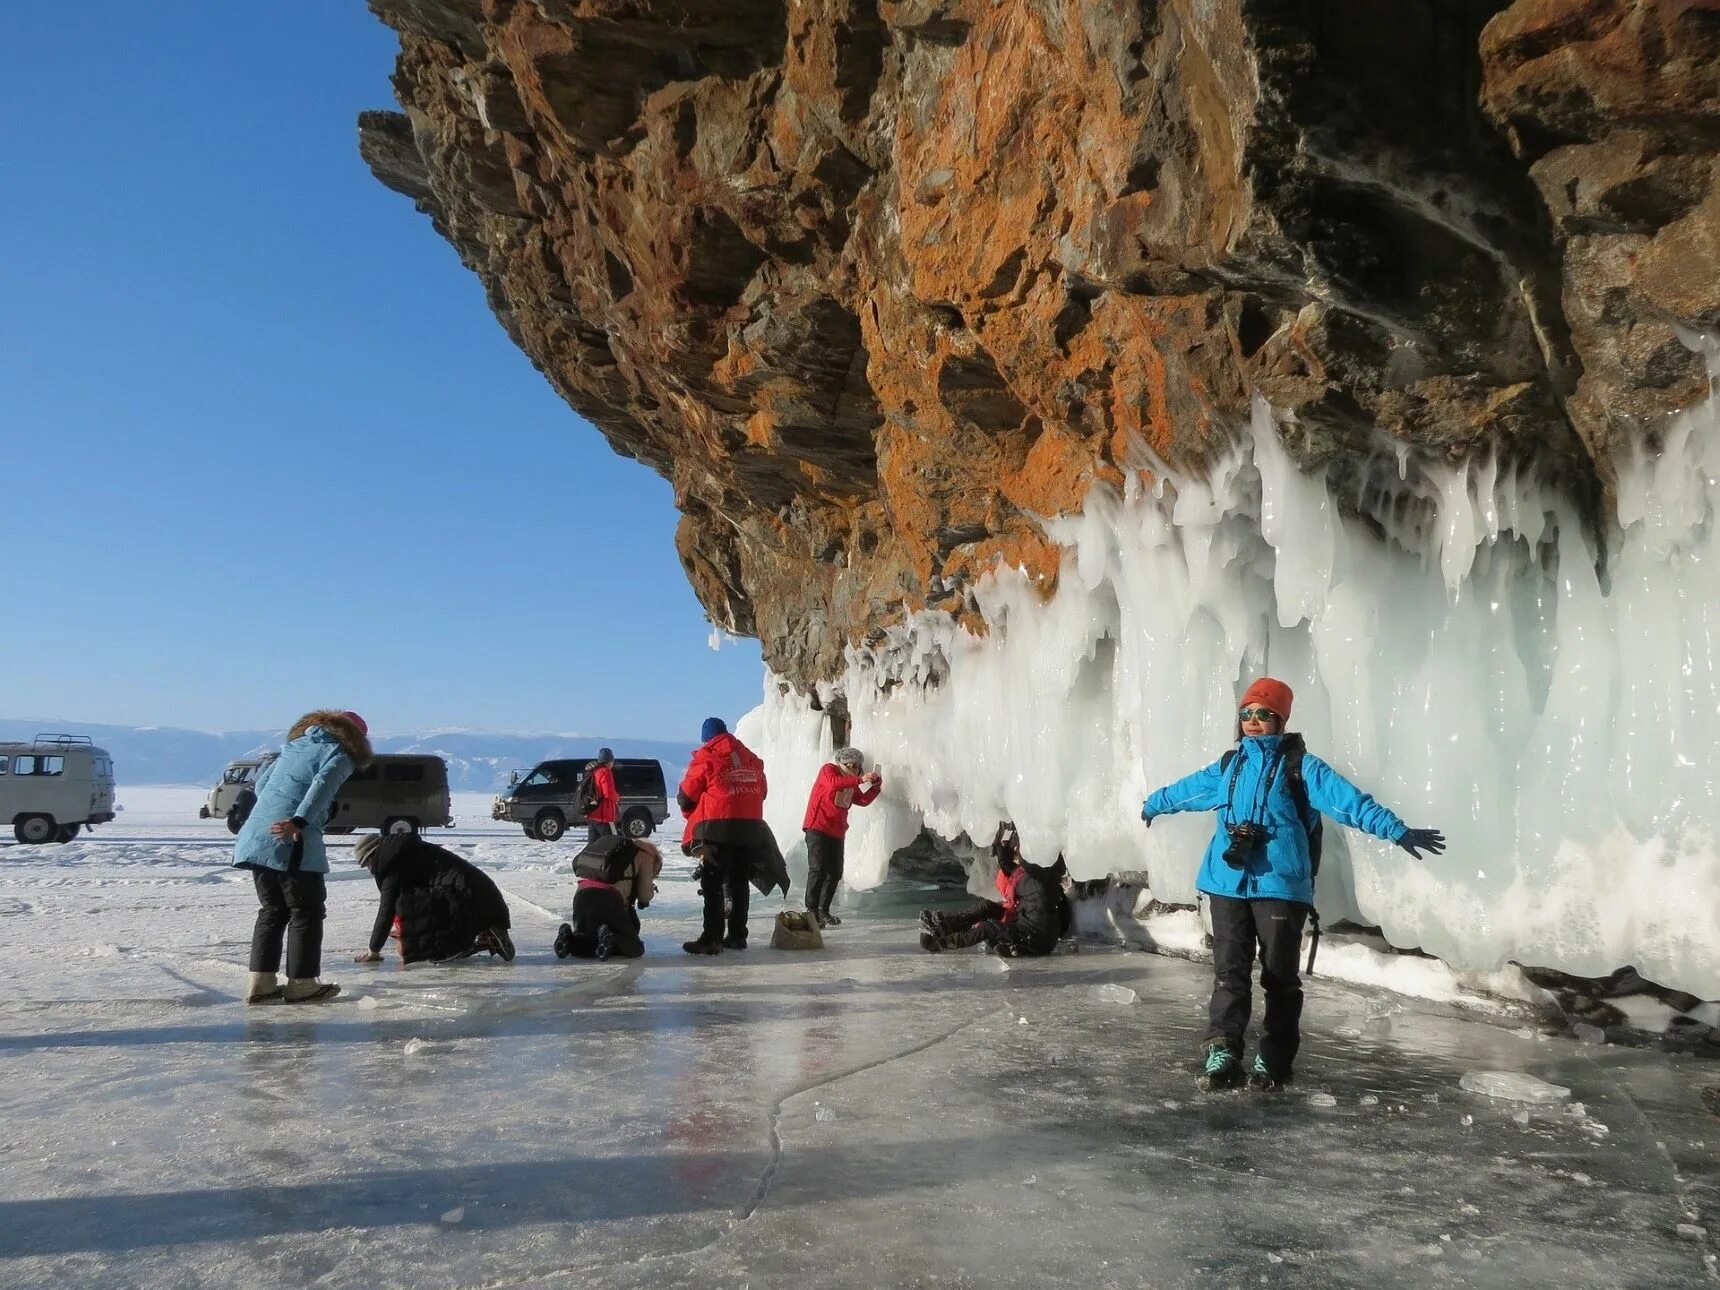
x,y
443,901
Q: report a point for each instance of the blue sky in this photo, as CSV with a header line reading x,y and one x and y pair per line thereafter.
x,y
264,446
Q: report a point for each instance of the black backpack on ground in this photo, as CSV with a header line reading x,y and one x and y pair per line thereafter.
x,y
1291,749
606,859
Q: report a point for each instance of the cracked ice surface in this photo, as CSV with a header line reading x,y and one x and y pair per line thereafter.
x,y
657,1123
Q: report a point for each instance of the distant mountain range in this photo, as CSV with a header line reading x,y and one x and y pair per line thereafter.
x,y
478,760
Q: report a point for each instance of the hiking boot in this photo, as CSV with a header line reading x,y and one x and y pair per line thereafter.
x,y
309,990
1263,1079
702,946
263,987
1223,1070
564,942
830,919
605,942
501,944
931,922
734,942
931,942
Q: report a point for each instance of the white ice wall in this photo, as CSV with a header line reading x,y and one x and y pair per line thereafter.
x,y
1473,671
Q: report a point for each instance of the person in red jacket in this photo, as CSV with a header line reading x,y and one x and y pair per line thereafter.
x,y
722,796
601,819
839,786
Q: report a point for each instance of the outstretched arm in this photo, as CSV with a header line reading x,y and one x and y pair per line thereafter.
x,y
1332,794
1201,791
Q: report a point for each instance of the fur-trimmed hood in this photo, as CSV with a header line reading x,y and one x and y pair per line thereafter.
x,y
338,724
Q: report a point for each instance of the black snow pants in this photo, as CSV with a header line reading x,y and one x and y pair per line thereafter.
x,y
1239,928
595,908
824,858
290,906
725,870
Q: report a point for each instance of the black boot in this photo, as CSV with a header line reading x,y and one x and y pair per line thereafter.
x,y
702,946
564,942
1222,1069
605,942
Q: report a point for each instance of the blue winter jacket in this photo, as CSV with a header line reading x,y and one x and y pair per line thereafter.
x,y
1260,792
301,782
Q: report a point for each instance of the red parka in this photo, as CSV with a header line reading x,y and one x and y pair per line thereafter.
x,y
1008,890
724,782
607,810
833,793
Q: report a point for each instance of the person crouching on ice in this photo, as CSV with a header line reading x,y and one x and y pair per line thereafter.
x,y
1025,920
839,786
448,907
282,845
1258,877
611,892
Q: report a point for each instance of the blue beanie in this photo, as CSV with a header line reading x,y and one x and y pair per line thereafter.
x,y
711,729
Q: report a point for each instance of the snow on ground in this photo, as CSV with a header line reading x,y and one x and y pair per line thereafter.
x,y
868,1115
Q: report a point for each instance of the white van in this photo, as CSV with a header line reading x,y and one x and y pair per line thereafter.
x,y
239,778
54,786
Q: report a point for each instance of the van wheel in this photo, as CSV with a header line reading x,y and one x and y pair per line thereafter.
x,y
66,832
549,826
639,824
234,823
529,830
33,830
401,824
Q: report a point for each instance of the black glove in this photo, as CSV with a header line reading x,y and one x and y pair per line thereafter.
x,y
1146,819
1415,841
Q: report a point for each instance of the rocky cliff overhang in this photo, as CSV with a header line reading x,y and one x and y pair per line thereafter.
x,y
879,284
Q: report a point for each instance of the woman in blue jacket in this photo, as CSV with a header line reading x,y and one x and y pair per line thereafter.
x,y
1258,877
282,845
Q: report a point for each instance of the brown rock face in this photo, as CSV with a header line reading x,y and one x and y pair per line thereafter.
x,y
877,284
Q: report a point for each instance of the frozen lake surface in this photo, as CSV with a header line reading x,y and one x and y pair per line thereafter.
x,y
868,1115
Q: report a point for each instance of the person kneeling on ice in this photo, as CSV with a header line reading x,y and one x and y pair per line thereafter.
x,y
839,786
1258,876
448,908
617,878
1027,919
282,845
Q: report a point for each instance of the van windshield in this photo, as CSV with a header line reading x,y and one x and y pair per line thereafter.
x,y
539,778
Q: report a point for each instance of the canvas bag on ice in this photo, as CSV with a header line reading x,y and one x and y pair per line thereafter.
x,y
795,930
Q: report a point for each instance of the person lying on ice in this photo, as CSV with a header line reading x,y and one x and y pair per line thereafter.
x,y
1029,915
448,908
617,877
839,786
1258,876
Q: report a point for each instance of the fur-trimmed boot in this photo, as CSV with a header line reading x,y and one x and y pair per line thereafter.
x,y
263,987
307,989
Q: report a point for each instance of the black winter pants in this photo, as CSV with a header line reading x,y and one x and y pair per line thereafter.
x,y
1239,928
824,857
725,870
594,831
290,906
983,921
594,908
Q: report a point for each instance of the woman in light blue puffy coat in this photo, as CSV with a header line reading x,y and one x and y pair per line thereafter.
x,y
282,845
1258,877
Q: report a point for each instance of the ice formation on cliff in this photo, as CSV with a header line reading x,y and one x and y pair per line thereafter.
x,y
1478,670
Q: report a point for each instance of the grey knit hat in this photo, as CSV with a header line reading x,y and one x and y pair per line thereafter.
x,y
365,847
849,757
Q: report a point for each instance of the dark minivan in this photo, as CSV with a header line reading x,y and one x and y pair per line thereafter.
x,y
545,802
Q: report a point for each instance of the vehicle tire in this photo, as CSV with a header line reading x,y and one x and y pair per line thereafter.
x,y
401,824
67,832
234,823
529,830
638,824
33,830
549,826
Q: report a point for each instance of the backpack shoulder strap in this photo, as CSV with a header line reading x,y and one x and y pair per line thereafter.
x,y
1293,749
1224,761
